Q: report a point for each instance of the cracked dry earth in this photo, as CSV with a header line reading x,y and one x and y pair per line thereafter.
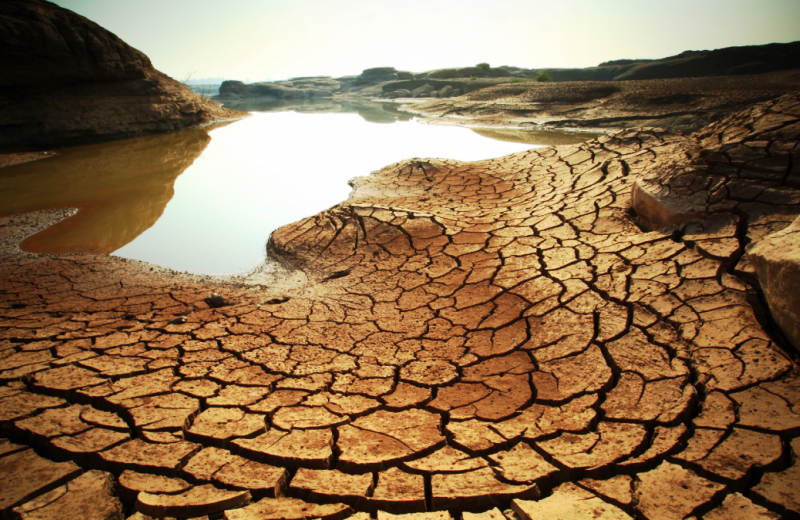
x,y
490,339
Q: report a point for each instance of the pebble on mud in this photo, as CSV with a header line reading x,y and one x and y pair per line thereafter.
x,y
215,300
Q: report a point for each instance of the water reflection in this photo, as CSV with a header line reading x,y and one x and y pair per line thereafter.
x,y
206,201
370,111
271,169
121,189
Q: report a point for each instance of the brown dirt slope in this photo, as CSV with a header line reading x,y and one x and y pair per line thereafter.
x,y
68,81
686,104
470,335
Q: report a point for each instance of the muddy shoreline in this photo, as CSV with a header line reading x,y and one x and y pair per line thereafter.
x,y
685,104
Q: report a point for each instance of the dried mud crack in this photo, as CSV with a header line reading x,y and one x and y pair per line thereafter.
x,y
497,334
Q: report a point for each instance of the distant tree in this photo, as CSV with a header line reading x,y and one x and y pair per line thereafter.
x,y
484,66
544,76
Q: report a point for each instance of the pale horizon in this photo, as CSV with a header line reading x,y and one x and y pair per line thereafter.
x,y
251,40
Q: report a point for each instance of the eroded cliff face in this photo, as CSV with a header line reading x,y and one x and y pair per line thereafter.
x,y
68,81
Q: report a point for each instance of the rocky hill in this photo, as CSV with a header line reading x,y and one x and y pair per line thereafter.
x,y
381,82
68,81
387,82
729,61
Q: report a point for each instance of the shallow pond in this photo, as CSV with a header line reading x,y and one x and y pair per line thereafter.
x,y
206,200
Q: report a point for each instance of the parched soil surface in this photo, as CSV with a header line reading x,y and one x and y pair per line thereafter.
x,y
469,335
686,104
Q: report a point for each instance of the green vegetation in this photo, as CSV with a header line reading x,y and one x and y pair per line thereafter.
x,y
544,76
473,78
447,73
484,66
518,80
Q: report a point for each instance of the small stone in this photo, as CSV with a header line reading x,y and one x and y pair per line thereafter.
x,y
215,300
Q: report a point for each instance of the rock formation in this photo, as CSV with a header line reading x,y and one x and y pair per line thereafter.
x,y
682,104
68,81
268,92
728,61
776,261
381,82
387,82
468,336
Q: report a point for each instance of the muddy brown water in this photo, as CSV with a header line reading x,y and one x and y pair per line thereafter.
x,y
205,200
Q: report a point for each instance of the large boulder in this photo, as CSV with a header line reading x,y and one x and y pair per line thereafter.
x,y
68,81
401,93
776,259
741,185
424,91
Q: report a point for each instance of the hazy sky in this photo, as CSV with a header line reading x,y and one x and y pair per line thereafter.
x,y
278,39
